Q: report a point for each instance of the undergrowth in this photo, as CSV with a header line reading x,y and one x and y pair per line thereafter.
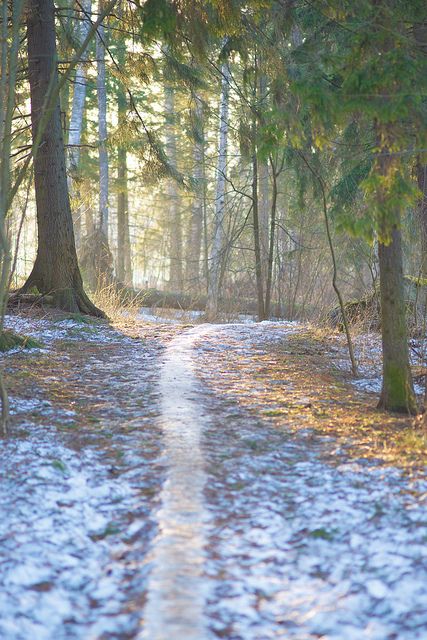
x,y
10,340
116,303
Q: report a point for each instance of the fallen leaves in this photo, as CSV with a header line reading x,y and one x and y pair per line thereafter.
x,y
293,384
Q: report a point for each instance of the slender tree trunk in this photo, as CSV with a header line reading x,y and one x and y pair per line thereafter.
x,y
258,91
422,213
9,48
56,269
175,254
257,234
205,243
217,250
264,209
102,131
76,118
194,241
95,255
124,263
273,215
335,286
264,205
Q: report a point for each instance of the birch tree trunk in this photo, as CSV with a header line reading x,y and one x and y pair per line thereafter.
x,y
76,118
175,225
194,241
124,265
257,232
271,243
217,250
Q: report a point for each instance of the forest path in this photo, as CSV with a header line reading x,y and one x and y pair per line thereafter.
x,y
171,485
176,586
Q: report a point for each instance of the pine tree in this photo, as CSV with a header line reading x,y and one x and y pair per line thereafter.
x,y
56,271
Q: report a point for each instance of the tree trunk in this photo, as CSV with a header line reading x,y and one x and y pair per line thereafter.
x,y
264,209
9,51
102,131
175,242
56,269
76,118
422,214
217,250
264,206
194,240
257,234
258,91
124,264
269,284
397,390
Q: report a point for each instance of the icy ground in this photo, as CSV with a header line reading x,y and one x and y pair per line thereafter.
x,y
368,353
174,513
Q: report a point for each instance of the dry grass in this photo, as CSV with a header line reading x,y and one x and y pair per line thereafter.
x,y
295,386
116,304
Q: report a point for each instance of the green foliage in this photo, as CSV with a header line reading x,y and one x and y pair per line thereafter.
x,y
347,208
322,534
59,466
188,74
158,18
359,72
11,340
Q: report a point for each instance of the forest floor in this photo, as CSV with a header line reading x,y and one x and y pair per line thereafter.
x,y
192,482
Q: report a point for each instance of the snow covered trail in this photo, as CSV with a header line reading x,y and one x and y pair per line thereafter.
x,y
146,494
177,587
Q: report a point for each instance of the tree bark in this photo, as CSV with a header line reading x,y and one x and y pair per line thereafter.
x,y
76,118
194,240
217,250
175,237
56,269
397,392
264,209
9,50
102,131
124,266
422,213
269,284
257,234
124,262
264,205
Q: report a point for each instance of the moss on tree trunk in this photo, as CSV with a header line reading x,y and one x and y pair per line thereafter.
x,y
397,390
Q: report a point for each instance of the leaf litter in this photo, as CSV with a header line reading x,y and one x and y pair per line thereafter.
x,y
315,523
